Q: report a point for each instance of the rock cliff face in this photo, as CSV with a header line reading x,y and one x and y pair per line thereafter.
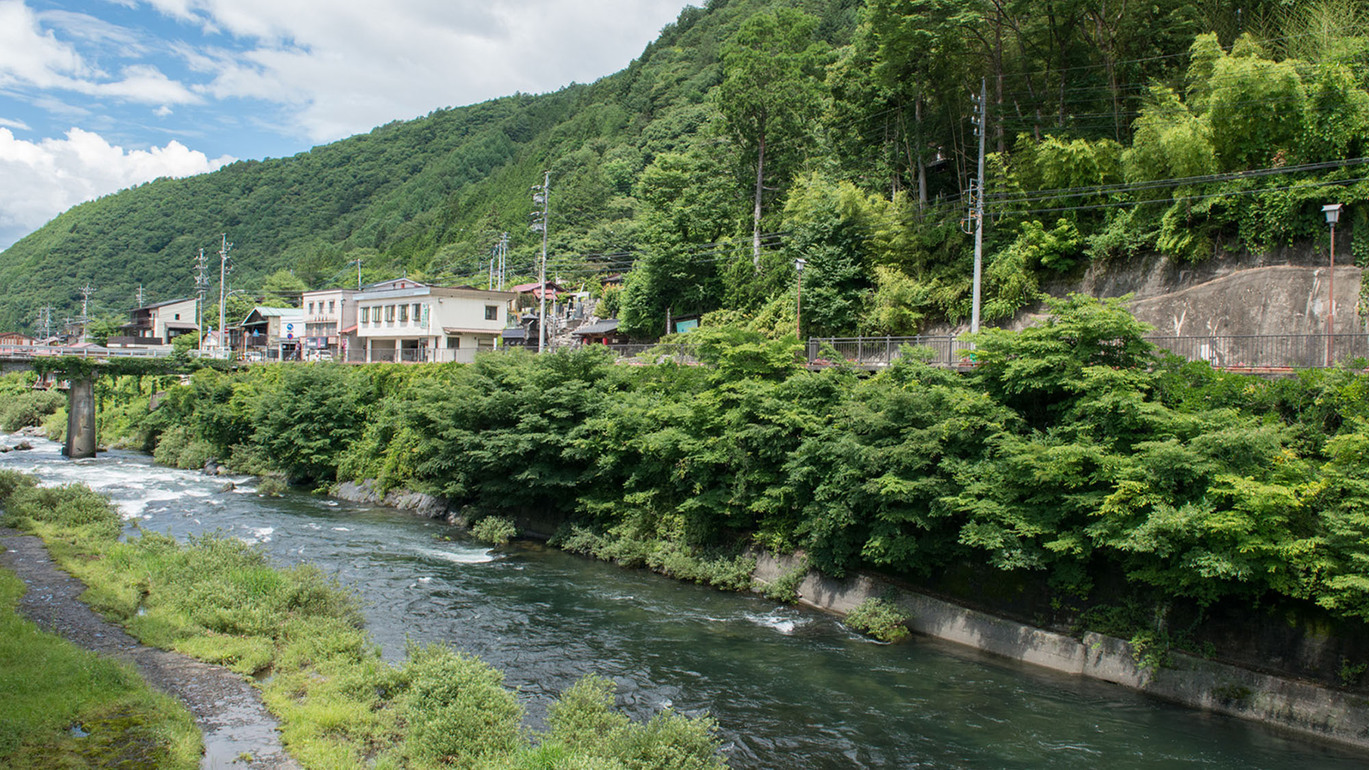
x,y
1283,292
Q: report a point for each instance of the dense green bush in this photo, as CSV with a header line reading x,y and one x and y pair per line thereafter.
x,y
457,710
879,618
497,530
73,506
1071,453
27,409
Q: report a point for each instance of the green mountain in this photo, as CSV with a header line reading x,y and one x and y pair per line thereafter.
x,y
1113,129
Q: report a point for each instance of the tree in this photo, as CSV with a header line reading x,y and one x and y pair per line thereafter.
x,y
771,91
282,289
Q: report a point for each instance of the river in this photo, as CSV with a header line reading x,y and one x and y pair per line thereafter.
x,y
790,688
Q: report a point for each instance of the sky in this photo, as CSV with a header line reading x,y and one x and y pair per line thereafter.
x,y
100,95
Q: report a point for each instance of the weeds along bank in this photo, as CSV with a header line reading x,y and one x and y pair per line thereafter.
x,y
1071,480
339,704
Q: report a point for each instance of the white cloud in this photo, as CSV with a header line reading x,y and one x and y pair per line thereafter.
x,y
344,66
15,124
47,177
31,56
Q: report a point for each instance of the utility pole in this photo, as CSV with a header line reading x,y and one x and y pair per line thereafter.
x,y
799,264
45,321
541,196
86,291
977,200
140,295
201,290
358,273
223,287
503,257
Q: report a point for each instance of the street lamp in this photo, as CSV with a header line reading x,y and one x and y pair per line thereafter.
x,y
1332,212
798,302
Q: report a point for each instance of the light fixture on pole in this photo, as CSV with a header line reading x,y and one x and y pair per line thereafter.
x,y
799,264
1332,212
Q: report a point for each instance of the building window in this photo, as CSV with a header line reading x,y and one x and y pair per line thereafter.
x,y
330,305
403,313
178,316
390,313
311,308
453,343
418,312
366,315
491,312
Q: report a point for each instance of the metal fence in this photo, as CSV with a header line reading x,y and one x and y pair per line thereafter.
x,y
672,351
1224,351
939,350
1268,351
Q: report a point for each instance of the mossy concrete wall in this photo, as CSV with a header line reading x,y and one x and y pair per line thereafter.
x,y
1188,680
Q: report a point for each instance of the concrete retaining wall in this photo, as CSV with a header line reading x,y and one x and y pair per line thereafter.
x,y
1188,680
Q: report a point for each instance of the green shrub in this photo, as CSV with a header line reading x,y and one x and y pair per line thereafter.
x,y
583,720
55,425
786,586
497,530
28,409
879,618
72,507
271,486
12,481
457,709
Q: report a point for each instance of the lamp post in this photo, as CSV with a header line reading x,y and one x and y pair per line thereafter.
x,y
1332,212
798,301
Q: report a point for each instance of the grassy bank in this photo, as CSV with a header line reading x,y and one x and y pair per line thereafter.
x,y
66,707
340,705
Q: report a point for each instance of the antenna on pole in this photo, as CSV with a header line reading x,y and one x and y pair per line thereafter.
x,y
541,196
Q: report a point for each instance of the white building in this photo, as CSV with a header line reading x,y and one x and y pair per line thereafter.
x,y
160,323
330,316
404,320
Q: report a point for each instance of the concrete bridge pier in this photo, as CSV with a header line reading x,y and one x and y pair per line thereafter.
x,y
80,419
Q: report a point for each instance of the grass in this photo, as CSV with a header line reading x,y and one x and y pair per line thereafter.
x,y
53,688
339,704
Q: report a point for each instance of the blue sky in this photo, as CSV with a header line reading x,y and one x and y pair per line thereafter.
x,y
99,95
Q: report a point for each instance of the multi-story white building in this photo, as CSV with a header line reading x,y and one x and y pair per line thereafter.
x,y
404,320
329,318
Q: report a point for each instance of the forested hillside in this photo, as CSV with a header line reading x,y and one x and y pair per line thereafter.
x,y
753,132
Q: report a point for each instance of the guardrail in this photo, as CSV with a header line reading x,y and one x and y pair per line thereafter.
x,y
1224,351
16,352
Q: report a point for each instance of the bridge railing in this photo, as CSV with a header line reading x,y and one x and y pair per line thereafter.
x,y
43,351
1224,351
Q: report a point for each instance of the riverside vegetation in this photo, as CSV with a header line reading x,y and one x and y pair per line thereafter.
x,y
1126,488
339,704
837,131
52,688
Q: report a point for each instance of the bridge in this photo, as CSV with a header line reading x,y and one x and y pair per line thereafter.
x,y
78,365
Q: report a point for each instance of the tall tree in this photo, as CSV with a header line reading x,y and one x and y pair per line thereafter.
x,y
771,92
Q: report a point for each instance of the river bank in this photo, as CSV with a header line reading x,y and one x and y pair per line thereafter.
x,y
236,728
1280,702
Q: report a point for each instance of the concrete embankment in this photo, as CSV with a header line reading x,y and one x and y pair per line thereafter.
x,y
1186,679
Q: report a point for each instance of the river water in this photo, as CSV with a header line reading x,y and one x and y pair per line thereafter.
x,y
790,688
